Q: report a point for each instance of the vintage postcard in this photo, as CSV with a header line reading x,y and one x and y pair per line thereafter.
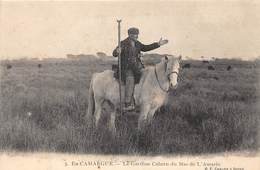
x,y
146,84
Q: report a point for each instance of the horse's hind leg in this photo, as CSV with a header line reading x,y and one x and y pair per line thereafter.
x,y
98,109
112,126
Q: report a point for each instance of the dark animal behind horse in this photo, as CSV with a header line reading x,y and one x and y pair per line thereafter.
x,y
8,66
187,65
211,68
229,68
205,61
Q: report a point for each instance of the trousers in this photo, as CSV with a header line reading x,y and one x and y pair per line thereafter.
x,y
129,85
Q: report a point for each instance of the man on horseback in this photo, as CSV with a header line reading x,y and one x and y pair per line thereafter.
x,y
131,63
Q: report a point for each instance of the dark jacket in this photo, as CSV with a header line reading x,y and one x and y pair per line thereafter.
x,y
130,55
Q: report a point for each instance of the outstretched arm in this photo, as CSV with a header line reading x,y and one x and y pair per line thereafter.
x,y
153,46
149,47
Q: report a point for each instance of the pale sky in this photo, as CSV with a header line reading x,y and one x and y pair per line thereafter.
x,y
194,28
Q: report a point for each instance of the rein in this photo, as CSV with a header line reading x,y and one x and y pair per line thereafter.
x,y
168,76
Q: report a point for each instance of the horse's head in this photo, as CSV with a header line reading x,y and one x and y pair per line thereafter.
x,y
172,65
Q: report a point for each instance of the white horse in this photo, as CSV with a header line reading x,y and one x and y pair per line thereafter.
x,y
150,94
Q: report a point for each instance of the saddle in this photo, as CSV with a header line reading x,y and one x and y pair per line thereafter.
x,y
115,68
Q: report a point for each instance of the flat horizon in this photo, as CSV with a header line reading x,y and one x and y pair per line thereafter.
x,y
95,55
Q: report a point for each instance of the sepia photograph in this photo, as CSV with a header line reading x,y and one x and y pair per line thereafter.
x,y
125,84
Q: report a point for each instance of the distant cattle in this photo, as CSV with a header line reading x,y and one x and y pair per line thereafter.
x,y
187,65
211,68
8,66
39,65
215,77
205,61
101,54
229,68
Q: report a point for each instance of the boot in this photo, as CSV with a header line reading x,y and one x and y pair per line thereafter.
x,y
129,91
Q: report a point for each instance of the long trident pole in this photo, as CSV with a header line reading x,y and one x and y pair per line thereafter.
x,y
119,65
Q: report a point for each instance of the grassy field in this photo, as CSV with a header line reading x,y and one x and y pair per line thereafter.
x,y
43,108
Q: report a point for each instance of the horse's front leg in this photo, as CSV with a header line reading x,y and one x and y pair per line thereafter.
x,y
144,135
150,114
145,108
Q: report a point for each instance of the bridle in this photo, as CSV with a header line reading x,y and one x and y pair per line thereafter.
x,y
168,77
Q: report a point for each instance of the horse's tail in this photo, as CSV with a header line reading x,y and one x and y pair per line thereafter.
x,y
91,102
